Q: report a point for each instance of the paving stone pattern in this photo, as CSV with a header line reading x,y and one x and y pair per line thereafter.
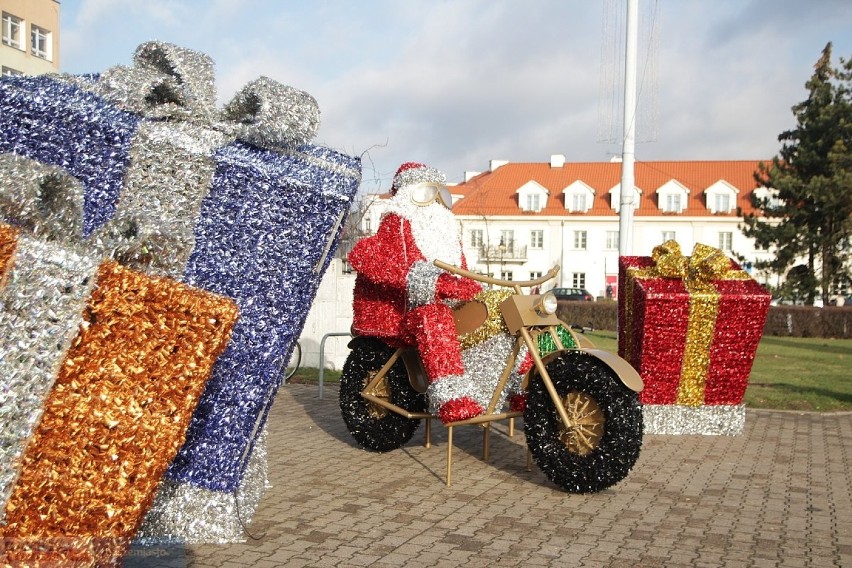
x,y
780,495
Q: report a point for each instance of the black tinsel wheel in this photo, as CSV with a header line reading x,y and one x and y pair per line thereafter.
x,y
605,436
372,426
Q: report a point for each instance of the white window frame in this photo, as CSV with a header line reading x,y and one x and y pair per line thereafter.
x,y
668,236
672,197
579,197
716,193
476,238
721,202
672,203
536,239
41,42
611,240
506,275
578,279
533,202
14,27
581,240
532,197
769,194
615,197
536,274
726,241
9,72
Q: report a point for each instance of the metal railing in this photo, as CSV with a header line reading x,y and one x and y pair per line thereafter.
x,y
322,357
501,253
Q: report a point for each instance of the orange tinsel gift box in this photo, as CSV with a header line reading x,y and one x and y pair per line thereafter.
x,y
689,325
8,241
114,420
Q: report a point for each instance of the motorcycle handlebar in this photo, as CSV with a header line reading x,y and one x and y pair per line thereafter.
x,y
452,269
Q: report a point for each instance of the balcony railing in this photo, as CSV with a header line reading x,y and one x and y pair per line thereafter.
x,y
501,253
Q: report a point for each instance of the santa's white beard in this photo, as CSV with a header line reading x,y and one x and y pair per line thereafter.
x,y
434,228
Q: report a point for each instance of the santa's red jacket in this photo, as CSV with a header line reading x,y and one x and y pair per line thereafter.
x,y
383,262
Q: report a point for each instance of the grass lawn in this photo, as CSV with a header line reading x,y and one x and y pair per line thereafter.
x,y
789,373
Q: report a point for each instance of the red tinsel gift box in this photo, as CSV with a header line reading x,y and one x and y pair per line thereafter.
x,y
689,325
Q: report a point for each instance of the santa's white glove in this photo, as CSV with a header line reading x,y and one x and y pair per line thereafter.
x,y
422,283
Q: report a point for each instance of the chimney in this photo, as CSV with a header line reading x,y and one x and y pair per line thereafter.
x,y
557,160
470,175
494,164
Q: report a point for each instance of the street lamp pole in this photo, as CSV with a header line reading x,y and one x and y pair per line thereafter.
x,y
625,210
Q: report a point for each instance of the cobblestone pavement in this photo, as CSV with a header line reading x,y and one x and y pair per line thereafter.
x,y
779,495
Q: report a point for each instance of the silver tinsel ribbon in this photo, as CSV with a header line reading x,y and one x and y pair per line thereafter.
x,y
171,162
708,420
45,201
483,366
195,515
422,282
171,168
171,82
42,306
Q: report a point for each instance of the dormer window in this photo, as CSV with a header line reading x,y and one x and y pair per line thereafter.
x,y
721,203
532,197
533,202
768,197
721,197
578,197
615,197
672,203
671,197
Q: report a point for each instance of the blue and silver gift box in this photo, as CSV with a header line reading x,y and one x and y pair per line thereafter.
x,y
237,202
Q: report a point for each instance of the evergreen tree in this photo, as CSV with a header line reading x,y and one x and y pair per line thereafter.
x,y
810,217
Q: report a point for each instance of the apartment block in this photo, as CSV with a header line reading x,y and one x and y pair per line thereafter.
x,y
30,37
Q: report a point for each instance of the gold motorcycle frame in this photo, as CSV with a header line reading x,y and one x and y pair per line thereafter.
x,y
582,421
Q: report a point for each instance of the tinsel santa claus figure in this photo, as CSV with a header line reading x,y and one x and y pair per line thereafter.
x,y
402,298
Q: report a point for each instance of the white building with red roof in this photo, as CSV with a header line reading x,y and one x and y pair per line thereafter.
x,y
564,213
517,220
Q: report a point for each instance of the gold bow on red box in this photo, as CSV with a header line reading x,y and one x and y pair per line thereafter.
x,y
697,273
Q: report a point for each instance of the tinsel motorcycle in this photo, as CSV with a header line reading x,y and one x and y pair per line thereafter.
x,y
580,406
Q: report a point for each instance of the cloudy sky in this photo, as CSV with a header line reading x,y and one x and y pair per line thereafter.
x,y
456,83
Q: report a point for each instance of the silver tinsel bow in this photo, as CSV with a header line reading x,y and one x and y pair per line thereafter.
x,y
172,82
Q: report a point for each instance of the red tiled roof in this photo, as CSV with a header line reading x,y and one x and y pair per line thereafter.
x,y
494,193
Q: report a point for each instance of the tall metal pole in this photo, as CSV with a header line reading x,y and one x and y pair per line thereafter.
x,y
625,211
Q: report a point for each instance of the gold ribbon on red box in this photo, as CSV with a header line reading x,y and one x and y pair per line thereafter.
x,y
697,272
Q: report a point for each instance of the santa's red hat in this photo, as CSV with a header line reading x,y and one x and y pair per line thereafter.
x,y
412,172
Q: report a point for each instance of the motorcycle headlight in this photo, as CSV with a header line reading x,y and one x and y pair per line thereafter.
x,y
547,304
